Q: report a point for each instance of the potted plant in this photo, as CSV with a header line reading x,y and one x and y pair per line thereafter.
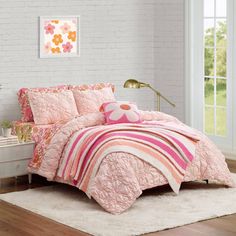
x,y
6,128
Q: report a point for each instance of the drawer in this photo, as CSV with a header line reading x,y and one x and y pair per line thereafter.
x,y
16,152
16,168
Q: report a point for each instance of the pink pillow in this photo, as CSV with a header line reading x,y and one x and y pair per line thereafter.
x,y
27,115
121,112
90,101
49,108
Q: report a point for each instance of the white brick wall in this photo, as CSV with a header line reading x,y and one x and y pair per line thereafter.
x,y
169,53
142,39
116,43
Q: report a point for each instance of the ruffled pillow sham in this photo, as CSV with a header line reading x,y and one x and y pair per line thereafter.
x,y
83,87
26,111
27,115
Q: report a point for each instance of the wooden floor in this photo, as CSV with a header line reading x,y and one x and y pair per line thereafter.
x,y
15,221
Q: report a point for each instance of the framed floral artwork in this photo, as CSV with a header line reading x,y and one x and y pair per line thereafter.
x,y
59,36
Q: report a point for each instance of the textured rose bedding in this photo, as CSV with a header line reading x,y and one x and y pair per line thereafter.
x,y
121,176
32,132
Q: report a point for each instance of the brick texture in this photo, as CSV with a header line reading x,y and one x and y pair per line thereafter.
x,y
169,54
123,39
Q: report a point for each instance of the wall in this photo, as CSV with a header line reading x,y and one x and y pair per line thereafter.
x,y
116,43
169,54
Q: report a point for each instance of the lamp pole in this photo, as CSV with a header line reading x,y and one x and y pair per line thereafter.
x,y
159,96
131,83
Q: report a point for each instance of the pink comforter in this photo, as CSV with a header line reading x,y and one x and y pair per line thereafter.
x,y
122,177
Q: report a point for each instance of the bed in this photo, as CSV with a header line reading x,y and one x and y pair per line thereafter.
x,y
114,162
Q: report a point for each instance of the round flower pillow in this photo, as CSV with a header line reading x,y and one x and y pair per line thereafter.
x,y
121,112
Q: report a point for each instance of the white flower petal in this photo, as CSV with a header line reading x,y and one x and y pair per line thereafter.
x,y
116,115
132,116
110,107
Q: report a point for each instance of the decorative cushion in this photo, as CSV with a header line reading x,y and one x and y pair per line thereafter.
x,y
89,101
27,115
49,108
121,112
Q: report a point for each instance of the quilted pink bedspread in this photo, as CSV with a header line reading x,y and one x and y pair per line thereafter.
x,y
122,177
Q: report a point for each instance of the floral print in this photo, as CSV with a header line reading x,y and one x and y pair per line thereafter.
x,y
47,47
65,28
56,50
57,39
72,36
60,36
121,112
49,29
67,47
40,134
84,87
55,21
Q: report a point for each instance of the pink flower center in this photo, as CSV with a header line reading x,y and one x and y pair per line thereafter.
x,y
125,107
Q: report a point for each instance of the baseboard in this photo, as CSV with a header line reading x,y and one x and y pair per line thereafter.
x,y
230,155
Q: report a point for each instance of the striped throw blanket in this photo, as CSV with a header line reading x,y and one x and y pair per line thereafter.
x,y
168,149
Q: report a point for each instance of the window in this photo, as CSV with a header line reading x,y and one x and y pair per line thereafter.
x,y
215,69
210,69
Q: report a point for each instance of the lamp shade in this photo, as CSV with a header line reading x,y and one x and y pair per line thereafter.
x,y
131,83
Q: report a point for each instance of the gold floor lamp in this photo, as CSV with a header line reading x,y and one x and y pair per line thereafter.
x,y
132,83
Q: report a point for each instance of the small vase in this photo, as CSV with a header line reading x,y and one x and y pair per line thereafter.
x,y
6,132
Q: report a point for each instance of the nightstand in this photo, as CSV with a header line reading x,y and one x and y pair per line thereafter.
x,y
14,160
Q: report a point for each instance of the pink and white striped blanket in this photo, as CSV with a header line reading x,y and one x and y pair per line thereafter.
x,y
122,176
166,148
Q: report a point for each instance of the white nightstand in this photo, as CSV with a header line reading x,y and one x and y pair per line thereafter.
x,y
14,160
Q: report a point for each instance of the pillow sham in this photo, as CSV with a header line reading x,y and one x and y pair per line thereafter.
x,y
90,101
49,108
92,86
27,115
121,112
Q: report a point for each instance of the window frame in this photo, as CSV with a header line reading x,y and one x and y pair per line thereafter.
x,y
233,16
194,71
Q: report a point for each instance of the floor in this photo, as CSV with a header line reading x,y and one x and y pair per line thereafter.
x,y
15,221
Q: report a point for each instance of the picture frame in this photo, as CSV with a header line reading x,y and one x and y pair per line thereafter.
x,y
59,36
